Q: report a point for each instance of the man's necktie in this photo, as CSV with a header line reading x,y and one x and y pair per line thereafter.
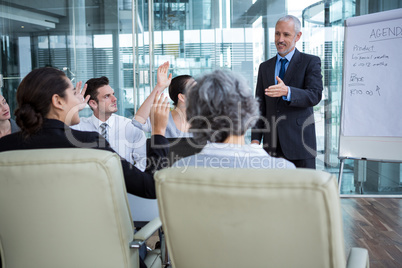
x,y
103,128
282,70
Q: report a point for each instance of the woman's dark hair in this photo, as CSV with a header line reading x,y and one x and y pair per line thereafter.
x,y
178,86
220,104
34,97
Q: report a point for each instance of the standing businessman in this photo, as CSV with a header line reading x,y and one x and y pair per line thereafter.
x,y
288,87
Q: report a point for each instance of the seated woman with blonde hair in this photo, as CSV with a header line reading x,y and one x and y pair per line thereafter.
x,y
220,108
7,125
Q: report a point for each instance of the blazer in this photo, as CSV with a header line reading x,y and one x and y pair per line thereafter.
x,y
55,134
292,122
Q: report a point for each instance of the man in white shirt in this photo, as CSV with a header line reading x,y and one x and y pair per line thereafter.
x,y
128,141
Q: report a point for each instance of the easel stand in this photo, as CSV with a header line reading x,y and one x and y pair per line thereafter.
x,y
341,173
360,190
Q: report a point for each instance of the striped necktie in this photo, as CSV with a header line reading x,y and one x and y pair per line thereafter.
x,y
103,128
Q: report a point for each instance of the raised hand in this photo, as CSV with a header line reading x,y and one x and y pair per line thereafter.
x,y
160,115
81,94
163,81
162,77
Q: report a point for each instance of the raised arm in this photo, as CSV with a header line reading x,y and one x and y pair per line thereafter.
x,y
142,183
163,81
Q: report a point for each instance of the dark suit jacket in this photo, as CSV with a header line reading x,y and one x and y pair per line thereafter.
x,y
292,122
55,134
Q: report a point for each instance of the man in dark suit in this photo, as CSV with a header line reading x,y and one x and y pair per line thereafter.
x,y
288,87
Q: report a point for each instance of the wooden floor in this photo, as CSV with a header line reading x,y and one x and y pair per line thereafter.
x,y
374,224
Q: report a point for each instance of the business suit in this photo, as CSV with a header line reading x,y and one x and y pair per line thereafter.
x,y
55,134
289,122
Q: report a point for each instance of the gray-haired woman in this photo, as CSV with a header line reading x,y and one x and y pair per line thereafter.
x,y
220,108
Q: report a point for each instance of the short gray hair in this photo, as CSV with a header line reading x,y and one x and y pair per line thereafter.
x,y
295,20
220,104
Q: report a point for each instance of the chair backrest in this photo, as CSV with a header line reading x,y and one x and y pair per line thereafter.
x,y
64,208
250,217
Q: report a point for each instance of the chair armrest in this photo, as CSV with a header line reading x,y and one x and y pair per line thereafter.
x,y
358,258
145,232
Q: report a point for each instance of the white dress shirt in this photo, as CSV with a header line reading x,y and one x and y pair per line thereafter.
x,y
128,141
